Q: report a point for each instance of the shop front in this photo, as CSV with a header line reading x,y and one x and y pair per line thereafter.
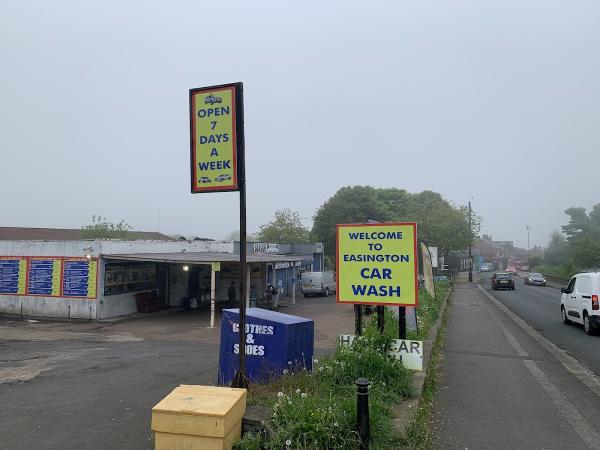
x,y
188,279
99,279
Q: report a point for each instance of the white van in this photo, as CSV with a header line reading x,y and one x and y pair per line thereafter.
x,y
318,283
579,301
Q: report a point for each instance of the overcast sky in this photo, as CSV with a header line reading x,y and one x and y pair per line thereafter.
x,y
498,100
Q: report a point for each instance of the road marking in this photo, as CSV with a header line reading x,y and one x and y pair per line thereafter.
x,y
490,355
586,376
581,426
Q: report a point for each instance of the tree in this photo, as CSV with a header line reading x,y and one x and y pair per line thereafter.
x,y
583,236
235,236
356,204
439,223
101,228
285,227
536,260
556,254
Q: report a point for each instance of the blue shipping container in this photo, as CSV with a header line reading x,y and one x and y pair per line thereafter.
x,y
274,342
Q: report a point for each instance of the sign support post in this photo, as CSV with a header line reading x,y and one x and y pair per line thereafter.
x,y
217,162
381,318
401,322
380,309
358,320
241,379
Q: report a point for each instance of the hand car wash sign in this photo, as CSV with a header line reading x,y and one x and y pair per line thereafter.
x,y
377,264
214,124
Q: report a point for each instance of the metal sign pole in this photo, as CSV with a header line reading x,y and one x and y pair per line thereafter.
x,y
217,163
241,378
358,320
379,309
402,322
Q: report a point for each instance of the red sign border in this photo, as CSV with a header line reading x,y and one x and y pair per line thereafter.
x,y
237,114
337,262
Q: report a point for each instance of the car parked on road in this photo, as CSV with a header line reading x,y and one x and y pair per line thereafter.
x,y
511,269
487,267
318,283
579,301
503,280
535,279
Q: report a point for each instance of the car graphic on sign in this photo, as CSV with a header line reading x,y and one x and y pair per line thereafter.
x,y
204,180
211,99
223,177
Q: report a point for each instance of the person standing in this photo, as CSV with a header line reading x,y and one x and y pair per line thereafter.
x,y
270,295
231,292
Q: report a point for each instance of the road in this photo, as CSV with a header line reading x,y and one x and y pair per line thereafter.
x,y
540,308
92,386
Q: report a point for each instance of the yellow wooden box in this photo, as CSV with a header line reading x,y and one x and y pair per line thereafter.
x,y
168,441
199,417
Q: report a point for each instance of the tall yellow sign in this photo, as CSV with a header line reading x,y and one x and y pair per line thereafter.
x,y
377,264
214,124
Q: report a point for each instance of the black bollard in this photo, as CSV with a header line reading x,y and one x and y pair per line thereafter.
x,y
362,411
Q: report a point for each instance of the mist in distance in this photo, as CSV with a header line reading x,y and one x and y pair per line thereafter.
x,y
496,100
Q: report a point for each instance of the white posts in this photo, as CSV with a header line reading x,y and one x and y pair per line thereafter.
x,y
212,295
293,283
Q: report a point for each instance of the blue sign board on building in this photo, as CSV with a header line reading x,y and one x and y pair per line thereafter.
x,y
275,342
75,278
41,277
9,276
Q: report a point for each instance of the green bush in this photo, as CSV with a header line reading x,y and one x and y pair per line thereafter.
x,y
555,271
318,410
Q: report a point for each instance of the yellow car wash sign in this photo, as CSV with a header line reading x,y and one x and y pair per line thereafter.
x,y
377,264
215,129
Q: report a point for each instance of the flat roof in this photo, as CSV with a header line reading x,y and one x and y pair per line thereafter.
x,y
68,234
204,257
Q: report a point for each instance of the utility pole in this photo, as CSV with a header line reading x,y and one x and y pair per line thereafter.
x,y
380,308
470,242
528,250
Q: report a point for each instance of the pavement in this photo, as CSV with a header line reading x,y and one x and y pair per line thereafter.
x,y
92,385
504,385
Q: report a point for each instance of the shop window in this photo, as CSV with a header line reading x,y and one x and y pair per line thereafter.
x,y
123,278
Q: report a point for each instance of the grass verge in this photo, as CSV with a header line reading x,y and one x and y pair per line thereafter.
x,y
317,410
418,434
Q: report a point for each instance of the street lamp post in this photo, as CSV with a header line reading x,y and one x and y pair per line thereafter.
x,y
470,242
528,250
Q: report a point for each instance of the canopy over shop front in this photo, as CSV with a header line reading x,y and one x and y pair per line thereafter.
x,y
263,268
203,258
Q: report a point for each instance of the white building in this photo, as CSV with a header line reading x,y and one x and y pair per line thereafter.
x,y
53,273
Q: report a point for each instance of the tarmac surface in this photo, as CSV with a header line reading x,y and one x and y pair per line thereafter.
x,y
499,387
93,385
540,307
